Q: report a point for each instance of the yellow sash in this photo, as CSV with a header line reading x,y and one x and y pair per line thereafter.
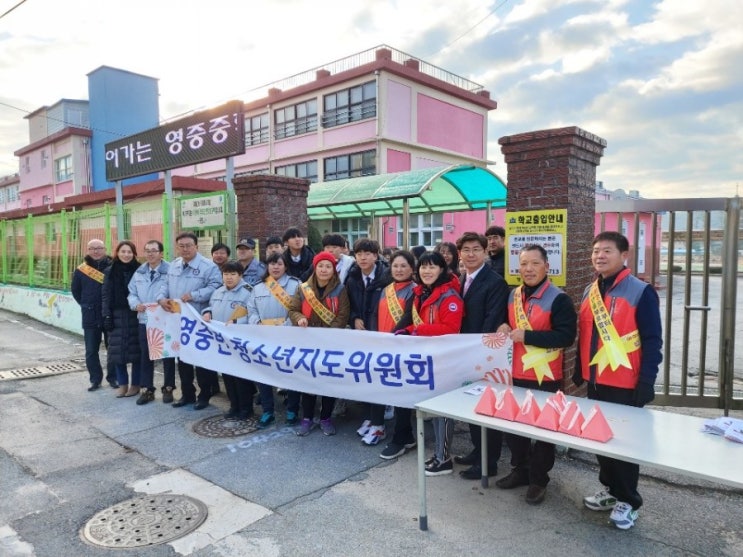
x,y
240,311
322,311
534,357
393,303
416,316
279,293
275,321
615,349
91,272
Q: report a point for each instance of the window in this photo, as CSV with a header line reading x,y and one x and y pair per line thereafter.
x,y
351,229
425,230
2,195
351,166
350,105
44,157
251,172
27,164
256,130
46,200
296,119
63,168
13,193
306,170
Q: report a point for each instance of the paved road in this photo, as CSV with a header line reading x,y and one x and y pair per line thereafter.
x,y
66,454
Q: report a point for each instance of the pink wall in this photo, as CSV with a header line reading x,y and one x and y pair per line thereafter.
x,y
450,127
397,161
399,112
350,133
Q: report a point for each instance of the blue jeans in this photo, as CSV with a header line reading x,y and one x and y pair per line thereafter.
x,y
122,376
92,338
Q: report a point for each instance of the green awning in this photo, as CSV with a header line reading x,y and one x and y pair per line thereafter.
x,y
429,190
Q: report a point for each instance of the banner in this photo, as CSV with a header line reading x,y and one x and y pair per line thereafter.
x,y
354,365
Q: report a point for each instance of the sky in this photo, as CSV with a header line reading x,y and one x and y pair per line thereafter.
x,y
660,81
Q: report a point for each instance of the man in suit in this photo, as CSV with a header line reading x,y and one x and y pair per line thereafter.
x,y
485,295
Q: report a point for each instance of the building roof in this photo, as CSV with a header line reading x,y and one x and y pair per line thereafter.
x,y
444,188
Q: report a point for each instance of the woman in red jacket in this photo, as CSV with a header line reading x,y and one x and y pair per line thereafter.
x,y
437,310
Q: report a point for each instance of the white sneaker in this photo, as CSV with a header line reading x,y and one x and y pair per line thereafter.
x,y
623,516
601,501
389,412
364,429
375,435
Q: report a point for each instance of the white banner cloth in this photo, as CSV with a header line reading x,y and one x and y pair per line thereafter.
x,y
354,365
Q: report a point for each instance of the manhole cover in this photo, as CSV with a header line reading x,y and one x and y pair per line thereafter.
x,y
38,371
145,520
217,426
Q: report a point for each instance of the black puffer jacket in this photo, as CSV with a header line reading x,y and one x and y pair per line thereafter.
x,y
87,293
365,299
123,340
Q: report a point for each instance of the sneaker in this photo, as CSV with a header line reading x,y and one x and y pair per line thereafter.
x,y
375,435
389,412
146,396
623,516
327,427
266,420
291,418
364,429
601,501
340,408
393,450
305,426
436,468
167,395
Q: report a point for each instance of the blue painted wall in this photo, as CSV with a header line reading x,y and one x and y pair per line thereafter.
x,y
122,103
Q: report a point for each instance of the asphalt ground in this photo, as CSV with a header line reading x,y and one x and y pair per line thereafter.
x,y
67,454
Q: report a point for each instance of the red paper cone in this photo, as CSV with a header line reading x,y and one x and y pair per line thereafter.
x,y
486,404
571,419
560,400
529,411
596,427
549,417
507,407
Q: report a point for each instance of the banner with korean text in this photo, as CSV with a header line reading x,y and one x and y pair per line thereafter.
x,y
354,365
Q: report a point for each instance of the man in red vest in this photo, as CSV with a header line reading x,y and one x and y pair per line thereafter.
x,y
541,323
619,351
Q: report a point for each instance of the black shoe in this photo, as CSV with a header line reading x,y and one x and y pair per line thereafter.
x,y
94,387
167,395
514,479
113,384
231,414
468,460
182,402
200,404
146,396
245,415
535,494
474,472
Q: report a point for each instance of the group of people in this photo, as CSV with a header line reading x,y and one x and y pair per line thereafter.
x,y
456,288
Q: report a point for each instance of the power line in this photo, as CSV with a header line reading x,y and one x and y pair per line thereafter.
x,y
468,31
13,8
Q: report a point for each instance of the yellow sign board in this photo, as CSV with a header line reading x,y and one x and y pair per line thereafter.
x,y
547,228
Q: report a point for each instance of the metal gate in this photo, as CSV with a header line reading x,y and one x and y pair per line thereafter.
x,y
693,254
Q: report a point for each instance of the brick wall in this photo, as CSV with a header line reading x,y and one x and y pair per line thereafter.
x,y
268,204
551,169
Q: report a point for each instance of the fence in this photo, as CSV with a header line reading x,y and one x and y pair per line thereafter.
x,y
43,251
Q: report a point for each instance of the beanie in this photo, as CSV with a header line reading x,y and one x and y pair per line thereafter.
x,y
324,256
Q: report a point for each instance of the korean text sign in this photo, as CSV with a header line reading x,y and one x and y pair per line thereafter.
x,y
203,136
354,365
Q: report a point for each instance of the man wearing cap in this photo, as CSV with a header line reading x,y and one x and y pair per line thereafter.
x,y
255,269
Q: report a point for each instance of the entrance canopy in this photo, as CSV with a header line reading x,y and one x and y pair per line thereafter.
x,y
429,190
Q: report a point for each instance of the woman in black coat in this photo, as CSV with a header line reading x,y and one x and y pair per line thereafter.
x,y
119,320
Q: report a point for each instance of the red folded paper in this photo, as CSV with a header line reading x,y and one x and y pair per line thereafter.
x,y
486,404
549,418
560,400
507,407
529,411
596,427
571,419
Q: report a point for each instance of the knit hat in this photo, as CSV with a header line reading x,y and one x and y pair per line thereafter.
x,y
324,256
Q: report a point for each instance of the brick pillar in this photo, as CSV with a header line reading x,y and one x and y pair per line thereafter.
x,y
551,169
268,204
